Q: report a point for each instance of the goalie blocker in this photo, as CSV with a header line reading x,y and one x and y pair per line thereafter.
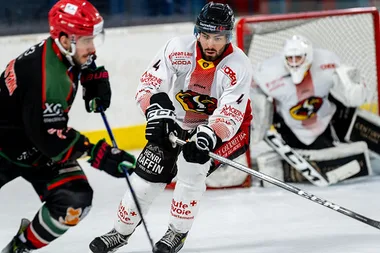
x,y
324,160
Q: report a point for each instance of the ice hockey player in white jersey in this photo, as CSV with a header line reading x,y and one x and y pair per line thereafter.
x,y
197,87
310,97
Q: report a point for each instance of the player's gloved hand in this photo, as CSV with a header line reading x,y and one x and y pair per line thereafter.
x,y
96,89
160,119
203,141
111,160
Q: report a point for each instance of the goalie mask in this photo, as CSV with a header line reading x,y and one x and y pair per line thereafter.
x,y
81,22
298,56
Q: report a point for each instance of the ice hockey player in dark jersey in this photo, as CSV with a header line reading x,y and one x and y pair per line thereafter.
x,y
37,90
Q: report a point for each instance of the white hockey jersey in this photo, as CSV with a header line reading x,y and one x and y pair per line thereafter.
x,y
202,92
305,107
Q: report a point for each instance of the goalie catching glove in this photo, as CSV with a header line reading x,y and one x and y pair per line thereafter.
x,y
203,141
111,160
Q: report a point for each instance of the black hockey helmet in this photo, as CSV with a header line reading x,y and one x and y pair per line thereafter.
x,y
215,18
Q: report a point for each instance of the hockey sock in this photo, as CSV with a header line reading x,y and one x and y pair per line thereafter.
x,y
42,230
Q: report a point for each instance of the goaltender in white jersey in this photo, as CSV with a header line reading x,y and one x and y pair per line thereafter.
x,y
310,96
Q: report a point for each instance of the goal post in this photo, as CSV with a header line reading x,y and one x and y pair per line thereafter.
x,y
353,34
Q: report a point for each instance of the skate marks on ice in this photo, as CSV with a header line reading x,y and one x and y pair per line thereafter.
x,y
255,220
353,243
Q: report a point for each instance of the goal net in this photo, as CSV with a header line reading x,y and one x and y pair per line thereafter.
x,y
353,34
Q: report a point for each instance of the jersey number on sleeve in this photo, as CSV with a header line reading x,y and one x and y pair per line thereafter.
x,y
157,65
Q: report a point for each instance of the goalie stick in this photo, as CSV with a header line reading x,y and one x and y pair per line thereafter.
x,y
127,178
290,188
305,168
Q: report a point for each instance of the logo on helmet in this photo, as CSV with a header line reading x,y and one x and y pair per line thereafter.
x,y
71,9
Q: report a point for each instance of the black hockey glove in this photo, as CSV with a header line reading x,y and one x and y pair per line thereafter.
x,y
160,119
203,141
104,157
96,89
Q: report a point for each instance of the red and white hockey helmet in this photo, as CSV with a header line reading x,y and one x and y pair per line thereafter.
x,y
298,56
77,19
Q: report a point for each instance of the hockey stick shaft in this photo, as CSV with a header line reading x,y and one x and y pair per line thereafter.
x,y
305,168
109,130
295,160
290,188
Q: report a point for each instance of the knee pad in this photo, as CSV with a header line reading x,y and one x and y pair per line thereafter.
x,y
71,202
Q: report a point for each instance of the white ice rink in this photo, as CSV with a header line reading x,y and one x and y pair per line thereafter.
x,y
255,220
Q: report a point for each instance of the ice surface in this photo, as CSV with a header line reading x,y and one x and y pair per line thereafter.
x,y
262,220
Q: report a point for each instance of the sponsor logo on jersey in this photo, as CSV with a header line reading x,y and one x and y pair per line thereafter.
x,y
277,83
230,74
10,77
306,108
180,54
328,66
149,79
194,102
54,113
231,146
181,62
206,64
232,112
53,109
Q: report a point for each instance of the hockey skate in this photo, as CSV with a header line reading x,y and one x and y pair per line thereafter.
x,y
109,242
16,246
171,242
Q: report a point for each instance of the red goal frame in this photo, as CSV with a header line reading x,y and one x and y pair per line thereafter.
x,y
241,26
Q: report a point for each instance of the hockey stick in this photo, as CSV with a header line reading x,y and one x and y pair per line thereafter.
x,y
305,168
127,178
290,188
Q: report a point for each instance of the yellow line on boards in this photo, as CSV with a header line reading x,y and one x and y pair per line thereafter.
x,y
127,138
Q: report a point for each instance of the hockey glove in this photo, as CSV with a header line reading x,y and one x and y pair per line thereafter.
x,y
203,141
96,89
160,119
111,160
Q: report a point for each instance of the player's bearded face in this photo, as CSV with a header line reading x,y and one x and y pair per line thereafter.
x,y
213,45
85,46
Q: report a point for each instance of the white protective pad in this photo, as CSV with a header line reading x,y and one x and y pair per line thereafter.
x,y
340,151
190,186
127,216
262,112
270,163
349,87
226,176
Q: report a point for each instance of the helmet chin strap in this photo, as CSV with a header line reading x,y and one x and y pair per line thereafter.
x,y
69,55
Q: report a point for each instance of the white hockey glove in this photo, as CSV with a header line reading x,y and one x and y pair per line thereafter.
x,y
204,140
349,87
